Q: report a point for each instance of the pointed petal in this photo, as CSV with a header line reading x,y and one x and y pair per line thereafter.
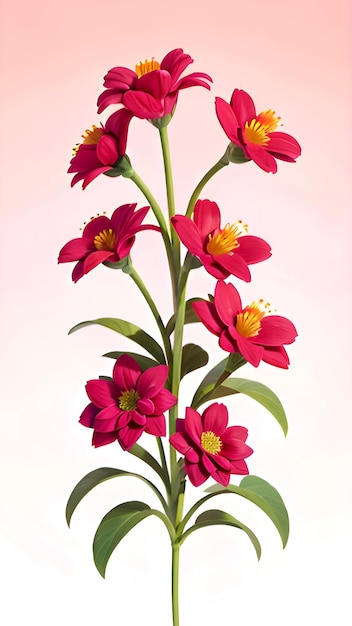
x,y
156,83
88,416
239,467
143,105
276,356
156,425
276,331
102,439
227,119
181,442
145,406
118,124
95,258
226,342
215,418
107,152
189,234
283,144
108,97
78,271
261,157
163,401
193,80
126,372
101,392
207,314
222,477
175,62
196,473
137,418
152,380
75,250
96,226
252,249
206,217
243,106
194,427
128,436
227,302
235,432
251,352
234,264
106,420
121,77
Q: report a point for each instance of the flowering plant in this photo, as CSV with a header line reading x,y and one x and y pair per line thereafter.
x,y
131,404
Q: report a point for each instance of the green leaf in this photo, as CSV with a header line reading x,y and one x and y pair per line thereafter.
x,y
258,392
115,526
193,357
190,316
214,517
128,330
265,496
96,477
144,362
215,377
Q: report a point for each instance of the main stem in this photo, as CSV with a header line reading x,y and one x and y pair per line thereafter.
x,y
175,577
170,194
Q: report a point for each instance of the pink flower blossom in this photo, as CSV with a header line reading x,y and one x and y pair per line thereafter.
x,y
251,331
131,403
151,91
255,133
104,239
222,251
210,447
101,149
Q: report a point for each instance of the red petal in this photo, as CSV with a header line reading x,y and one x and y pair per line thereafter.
x,y
143,105
206,217
243,106
227,119
189,234
95,226
215,418
75,250
102,439
194,427
284,144
196,473
252,249
128,436
95,258
261,157
163,401
208,316
156,425
88,416
276,356
234,264
227,302
145,406
239,467
276,331
108,97
251,352
126,372
152,380
107,151
107,419
121,77
101,392
180,442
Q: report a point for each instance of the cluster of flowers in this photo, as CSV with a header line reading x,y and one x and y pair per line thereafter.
x,y
135,401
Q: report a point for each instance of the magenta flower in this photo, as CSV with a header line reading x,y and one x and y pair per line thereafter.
x,y
210,447
131,403
101,149
255,133
105,239
222,251
151,91
251,331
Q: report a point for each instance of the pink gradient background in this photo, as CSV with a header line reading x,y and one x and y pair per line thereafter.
x,y
293,57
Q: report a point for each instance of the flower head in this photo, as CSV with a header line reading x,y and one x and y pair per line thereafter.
x,y
131,403
101,149
255,133
222,251
210,447
151,91
251,330
104,239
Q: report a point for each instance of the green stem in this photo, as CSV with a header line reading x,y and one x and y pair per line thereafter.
x,y
175,576
170,192
195,195
143,289
161,221
162,454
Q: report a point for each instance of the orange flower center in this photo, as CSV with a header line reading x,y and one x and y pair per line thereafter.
x,y
226,239
105,240
248,322
258,129
90,137
146,67
211,443
128,400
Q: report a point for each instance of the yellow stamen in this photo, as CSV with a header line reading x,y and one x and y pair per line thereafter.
x,y
248,323
105,240
93,136
226,239
258,129
128,400
211,443
146,67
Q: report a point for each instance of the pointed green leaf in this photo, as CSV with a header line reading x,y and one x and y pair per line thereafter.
x,y
214,517
193,357
215,377
144,362
265,496
115,526
190,316
96,477
145,456
258,392
129,330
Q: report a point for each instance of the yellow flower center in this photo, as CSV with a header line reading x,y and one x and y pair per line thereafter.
x,y
128,400
90,137
248,322
211,443
146,67
105,240
226,240
257,130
